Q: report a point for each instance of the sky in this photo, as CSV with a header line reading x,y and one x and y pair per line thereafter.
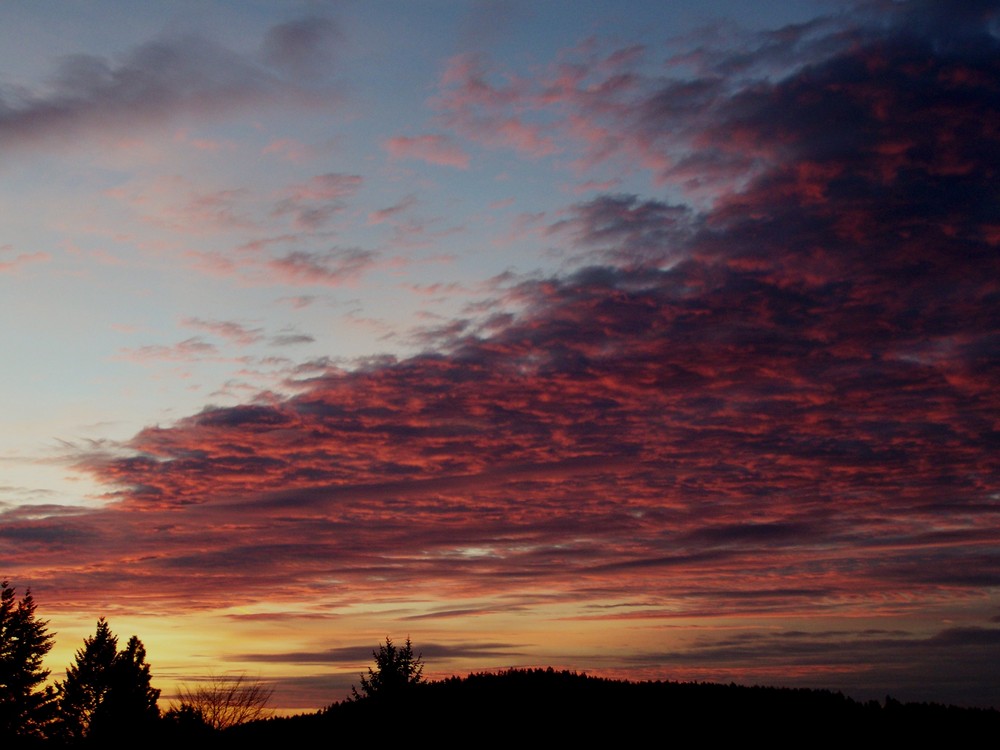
x,y
656,340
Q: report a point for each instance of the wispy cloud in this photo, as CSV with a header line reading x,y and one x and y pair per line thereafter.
x,y
161,79
390,212
352,656
227,329
10,263
290,339
188,350
433,149
312,203
870,663
333,267
490,113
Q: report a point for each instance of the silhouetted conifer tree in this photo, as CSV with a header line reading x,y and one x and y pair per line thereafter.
x,y
107,693
26,708
395,670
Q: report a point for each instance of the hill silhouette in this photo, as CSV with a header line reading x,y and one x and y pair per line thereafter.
x,y
560,706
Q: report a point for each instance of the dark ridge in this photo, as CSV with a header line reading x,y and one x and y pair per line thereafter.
x,y
553,706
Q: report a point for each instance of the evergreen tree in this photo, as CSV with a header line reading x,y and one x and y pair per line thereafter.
x,y
86,683
107,692
130,703
26,709
395,670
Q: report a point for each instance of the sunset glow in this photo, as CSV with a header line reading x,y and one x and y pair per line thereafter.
x,y
644,339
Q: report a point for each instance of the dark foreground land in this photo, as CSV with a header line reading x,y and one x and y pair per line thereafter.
x,y
549,706
557,708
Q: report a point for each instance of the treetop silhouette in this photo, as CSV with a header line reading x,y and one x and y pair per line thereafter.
x,y
396,669
107,692
26,708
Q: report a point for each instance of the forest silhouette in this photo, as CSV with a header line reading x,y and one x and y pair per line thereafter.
x,y
107,697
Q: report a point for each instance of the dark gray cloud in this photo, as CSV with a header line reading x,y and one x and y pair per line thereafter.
x,y
353,655
290,339
304,48
866,665
161,79
630,230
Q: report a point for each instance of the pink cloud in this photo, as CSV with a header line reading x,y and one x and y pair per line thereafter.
x,y
189,350
314,202
513,133
334,267
326,187
290,149
595,185
433,149
20,260
299,302
174,202
204,144
226,329
385,214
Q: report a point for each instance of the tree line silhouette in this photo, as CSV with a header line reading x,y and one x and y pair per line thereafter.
x,y
107,697
107,694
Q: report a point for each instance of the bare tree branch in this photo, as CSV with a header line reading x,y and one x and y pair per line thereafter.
x,y
227,700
